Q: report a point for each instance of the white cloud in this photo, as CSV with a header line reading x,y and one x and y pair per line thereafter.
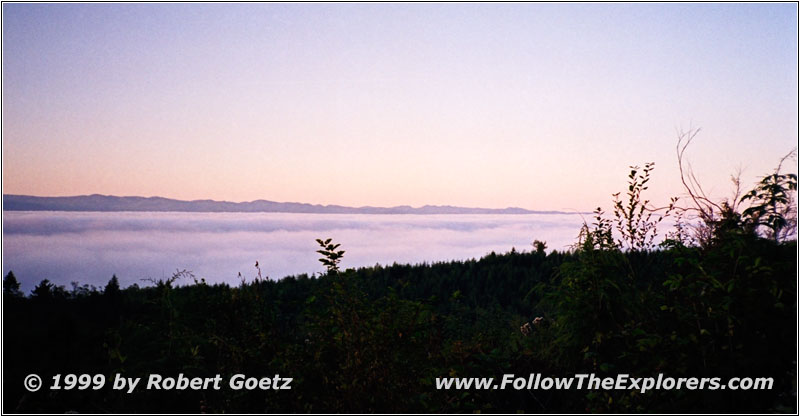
x,y
90,247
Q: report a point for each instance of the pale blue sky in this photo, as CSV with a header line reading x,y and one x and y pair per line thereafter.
x,y
541,106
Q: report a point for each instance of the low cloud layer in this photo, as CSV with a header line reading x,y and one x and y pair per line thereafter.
x,y
90,247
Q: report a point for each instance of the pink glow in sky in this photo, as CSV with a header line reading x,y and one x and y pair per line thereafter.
x,y
541,106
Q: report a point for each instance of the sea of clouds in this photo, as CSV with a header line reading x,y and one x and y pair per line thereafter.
x,y
90,247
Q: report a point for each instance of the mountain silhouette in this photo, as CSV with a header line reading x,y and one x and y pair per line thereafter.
x,y
98,202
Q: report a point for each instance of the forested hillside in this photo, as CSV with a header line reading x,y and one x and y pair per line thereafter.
x,y
717,298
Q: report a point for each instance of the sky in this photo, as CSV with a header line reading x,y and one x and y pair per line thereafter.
x,y
540,106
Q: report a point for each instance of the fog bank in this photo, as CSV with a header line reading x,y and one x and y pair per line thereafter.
x,y
91,247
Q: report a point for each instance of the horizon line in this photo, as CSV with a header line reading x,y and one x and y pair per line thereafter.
x,y
320,205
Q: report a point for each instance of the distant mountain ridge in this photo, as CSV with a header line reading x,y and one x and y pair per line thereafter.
x,y
98,202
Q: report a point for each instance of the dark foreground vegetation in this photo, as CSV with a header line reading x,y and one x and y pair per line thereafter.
x,y
717,298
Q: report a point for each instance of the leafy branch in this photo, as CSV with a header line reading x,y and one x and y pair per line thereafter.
x,y
331,257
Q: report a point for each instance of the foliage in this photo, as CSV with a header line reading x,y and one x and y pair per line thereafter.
x,y
634,219
11,285
374,340
772,205
599,237
539,246
331,257
112,288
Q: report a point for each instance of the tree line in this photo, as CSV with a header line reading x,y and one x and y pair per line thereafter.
x,y
715,298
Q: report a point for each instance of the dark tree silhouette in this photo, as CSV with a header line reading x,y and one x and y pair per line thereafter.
x,y
112,288
11,285
43,290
